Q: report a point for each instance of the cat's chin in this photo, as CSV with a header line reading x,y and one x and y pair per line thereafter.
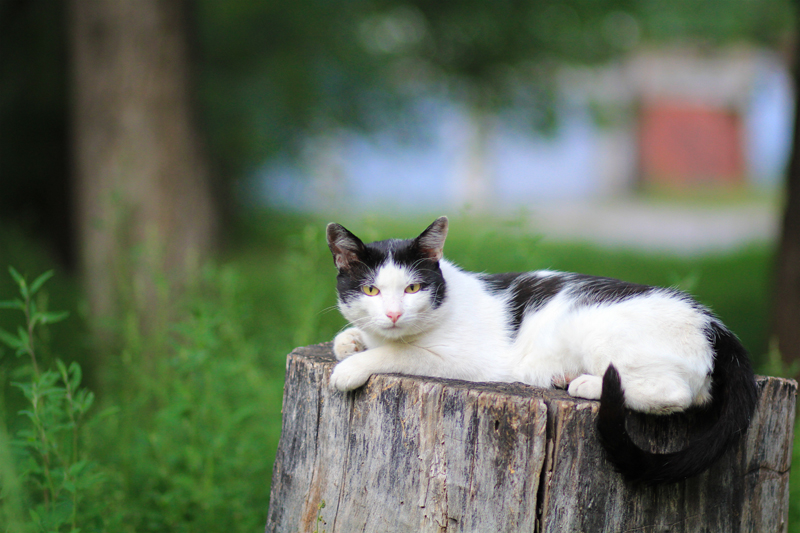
x,y
394,333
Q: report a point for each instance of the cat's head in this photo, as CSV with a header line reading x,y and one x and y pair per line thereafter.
x,y
389,288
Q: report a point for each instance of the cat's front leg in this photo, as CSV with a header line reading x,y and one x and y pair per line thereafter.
x,y
353,372
348,342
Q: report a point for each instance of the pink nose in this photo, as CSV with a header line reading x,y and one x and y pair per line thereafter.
x,y
394,316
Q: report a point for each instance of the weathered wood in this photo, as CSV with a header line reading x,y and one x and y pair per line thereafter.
x,y
407,453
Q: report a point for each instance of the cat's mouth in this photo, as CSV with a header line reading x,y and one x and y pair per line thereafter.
x,y
394,329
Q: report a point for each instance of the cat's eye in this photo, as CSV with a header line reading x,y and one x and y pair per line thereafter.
x,y
370,290
414,287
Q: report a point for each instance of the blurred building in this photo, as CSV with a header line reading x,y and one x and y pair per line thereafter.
x,y
678,118
697,110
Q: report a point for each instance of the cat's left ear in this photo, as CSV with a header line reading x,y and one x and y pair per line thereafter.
x,y
431,241
344,246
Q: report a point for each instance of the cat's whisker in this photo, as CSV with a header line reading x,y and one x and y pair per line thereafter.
x,y
362,322
328,310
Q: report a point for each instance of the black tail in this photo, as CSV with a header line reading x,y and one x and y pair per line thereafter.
x,y
733,399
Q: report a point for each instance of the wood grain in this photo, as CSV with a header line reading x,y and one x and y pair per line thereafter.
x,y
408,453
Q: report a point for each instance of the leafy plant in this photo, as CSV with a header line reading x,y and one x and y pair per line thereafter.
x,y
199,391
775,365
320,520
194,437
54,473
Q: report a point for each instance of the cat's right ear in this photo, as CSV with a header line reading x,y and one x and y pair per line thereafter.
x,y
344,246
431,241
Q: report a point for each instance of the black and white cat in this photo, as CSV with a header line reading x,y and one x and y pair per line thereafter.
x,y
413,312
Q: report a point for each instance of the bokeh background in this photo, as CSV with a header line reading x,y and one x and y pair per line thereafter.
x,y
174,163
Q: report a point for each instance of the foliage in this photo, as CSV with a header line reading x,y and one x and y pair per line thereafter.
x,y
320,520
306,66
56,475
270,73
191,443
776,365
200,413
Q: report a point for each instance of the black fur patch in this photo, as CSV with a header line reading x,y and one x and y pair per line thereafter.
x,y
527,292
594,290
405,253
360,273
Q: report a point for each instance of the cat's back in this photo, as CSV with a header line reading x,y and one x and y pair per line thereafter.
x,y
524,293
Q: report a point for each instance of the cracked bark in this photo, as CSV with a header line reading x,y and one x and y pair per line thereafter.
x,y
421,454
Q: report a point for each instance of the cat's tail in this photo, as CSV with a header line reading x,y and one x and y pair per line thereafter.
x,y
733,399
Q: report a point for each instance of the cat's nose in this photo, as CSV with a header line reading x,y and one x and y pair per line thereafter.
x,y
394,316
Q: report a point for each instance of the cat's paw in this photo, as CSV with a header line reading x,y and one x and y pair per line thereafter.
x,y
586,386
347,343
350,374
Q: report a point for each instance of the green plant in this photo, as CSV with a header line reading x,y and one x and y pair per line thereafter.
x,y
320,520
54,476
307,258
199,391
775,365
194,438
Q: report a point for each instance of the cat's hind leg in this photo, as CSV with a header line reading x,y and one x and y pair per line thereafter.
x,y
659,396
586,386
649,395
348,342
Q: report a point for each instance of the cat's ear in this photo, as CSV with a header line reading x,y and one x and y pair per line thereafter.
x,y
431,241
344,246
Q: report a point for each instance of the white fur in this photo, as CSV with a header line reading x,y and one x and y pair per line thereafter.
x,y
656,341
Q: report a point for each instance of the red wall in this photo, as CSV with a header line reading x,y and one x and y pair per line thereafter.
x,y
684,145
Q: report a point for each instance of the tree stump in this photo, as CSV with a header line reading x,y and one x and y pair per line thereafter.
x,y
411,454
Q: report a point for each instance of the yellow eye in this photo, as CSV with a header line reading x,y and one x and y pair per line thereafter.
x,y
370,290
414,287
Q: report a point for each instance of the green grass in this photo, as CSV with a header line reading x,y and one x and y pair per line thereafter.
x,y
190,442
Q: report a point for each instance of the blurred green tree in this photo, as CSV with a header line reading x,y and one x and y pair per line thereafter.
x,y
150,81
272,72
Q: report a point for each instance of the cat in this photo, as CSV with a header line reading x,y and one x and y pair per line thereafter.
x,y
649,349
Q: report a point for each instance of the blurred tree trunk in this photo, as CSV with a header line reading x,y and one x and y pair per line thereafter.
x,y
145,216
473,179
786,306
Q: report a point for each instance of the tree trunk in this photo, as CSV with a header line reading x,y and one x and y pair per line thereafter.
x,y
422,454
472,180
144,205
786,307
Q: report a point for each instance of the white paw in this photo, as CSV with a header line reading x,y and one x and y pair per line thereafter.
x,y
347,343
350,374
586,386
